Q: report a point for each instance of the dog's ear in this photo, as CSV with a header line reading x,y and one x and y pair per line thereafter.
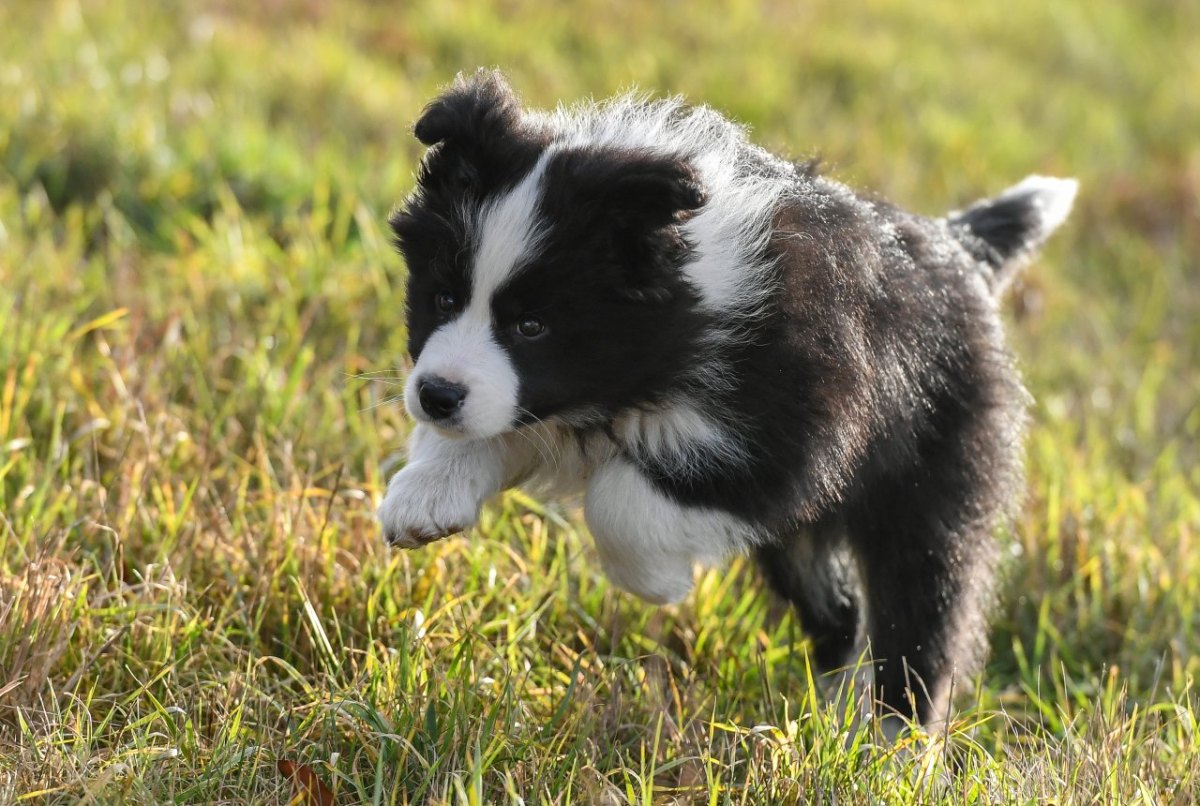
x,y
645,191
474,108
637,199
646,197
657,193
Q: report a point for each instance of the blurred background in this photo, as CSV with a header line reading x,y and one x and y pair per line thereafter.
x,y
196,284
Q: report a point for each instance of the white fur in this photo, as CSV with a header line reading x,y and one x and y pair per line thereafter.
x,y
1053,198
678,437
564,461
442,488
648,544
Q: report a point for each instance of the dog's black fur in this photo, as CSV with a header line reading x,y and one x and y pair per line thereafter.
x,y
869,397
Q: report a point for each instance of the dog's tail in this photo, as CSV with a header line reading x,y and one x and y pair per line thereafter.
x,y
1004,232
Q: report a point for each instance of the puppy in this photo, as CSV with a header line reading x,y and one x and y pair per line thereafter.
x,y
724,352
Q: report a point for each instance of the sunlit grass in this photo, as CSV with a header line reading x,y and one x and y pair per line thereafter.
x,y
197,299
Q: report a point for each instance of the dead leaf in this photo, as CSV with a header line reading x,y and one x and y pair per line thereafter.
x,y
307,788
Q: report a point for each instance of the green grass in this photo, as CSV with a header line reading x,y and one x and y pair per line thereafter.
x,y
194,275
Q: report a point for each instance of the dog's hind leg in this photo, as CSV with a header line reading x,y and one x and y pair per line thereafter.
x,y
926,552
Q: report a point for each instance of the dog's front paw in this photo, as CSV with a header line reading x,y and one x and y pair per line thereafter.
x,y
423,505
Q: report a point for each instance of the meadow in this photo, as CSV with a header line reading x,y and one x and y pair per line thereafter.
x,y
201,335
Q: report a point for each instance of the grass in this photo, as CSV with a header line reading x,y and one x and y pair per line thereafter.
x,y
195,282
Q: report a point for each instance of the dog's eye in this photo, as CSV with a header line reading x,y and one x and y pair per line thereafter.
x,y
445,302
530,327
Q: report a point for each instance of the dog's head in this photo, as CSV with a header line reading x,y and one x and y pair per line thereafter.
x,y
544,274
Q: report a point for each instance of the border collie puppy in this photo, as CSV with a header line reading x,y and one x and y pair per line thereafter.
x,y
724,352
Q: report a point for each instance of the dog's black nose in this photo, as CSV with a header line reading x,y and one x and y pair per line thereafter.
x,y
440,398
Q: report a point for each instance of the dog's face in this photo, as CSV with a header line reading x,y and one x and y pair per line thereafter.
x,y
544,277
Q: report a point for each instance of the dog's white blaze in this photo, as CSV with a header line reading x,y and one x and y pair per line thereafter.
x,y
464,350
648,543
506,232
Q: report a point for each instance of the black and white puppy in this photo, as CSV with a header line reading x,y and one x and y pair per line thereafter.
x,y
723,352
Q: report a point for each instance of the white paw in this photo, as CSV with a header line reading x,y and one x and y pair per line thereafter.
x,y
424,504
